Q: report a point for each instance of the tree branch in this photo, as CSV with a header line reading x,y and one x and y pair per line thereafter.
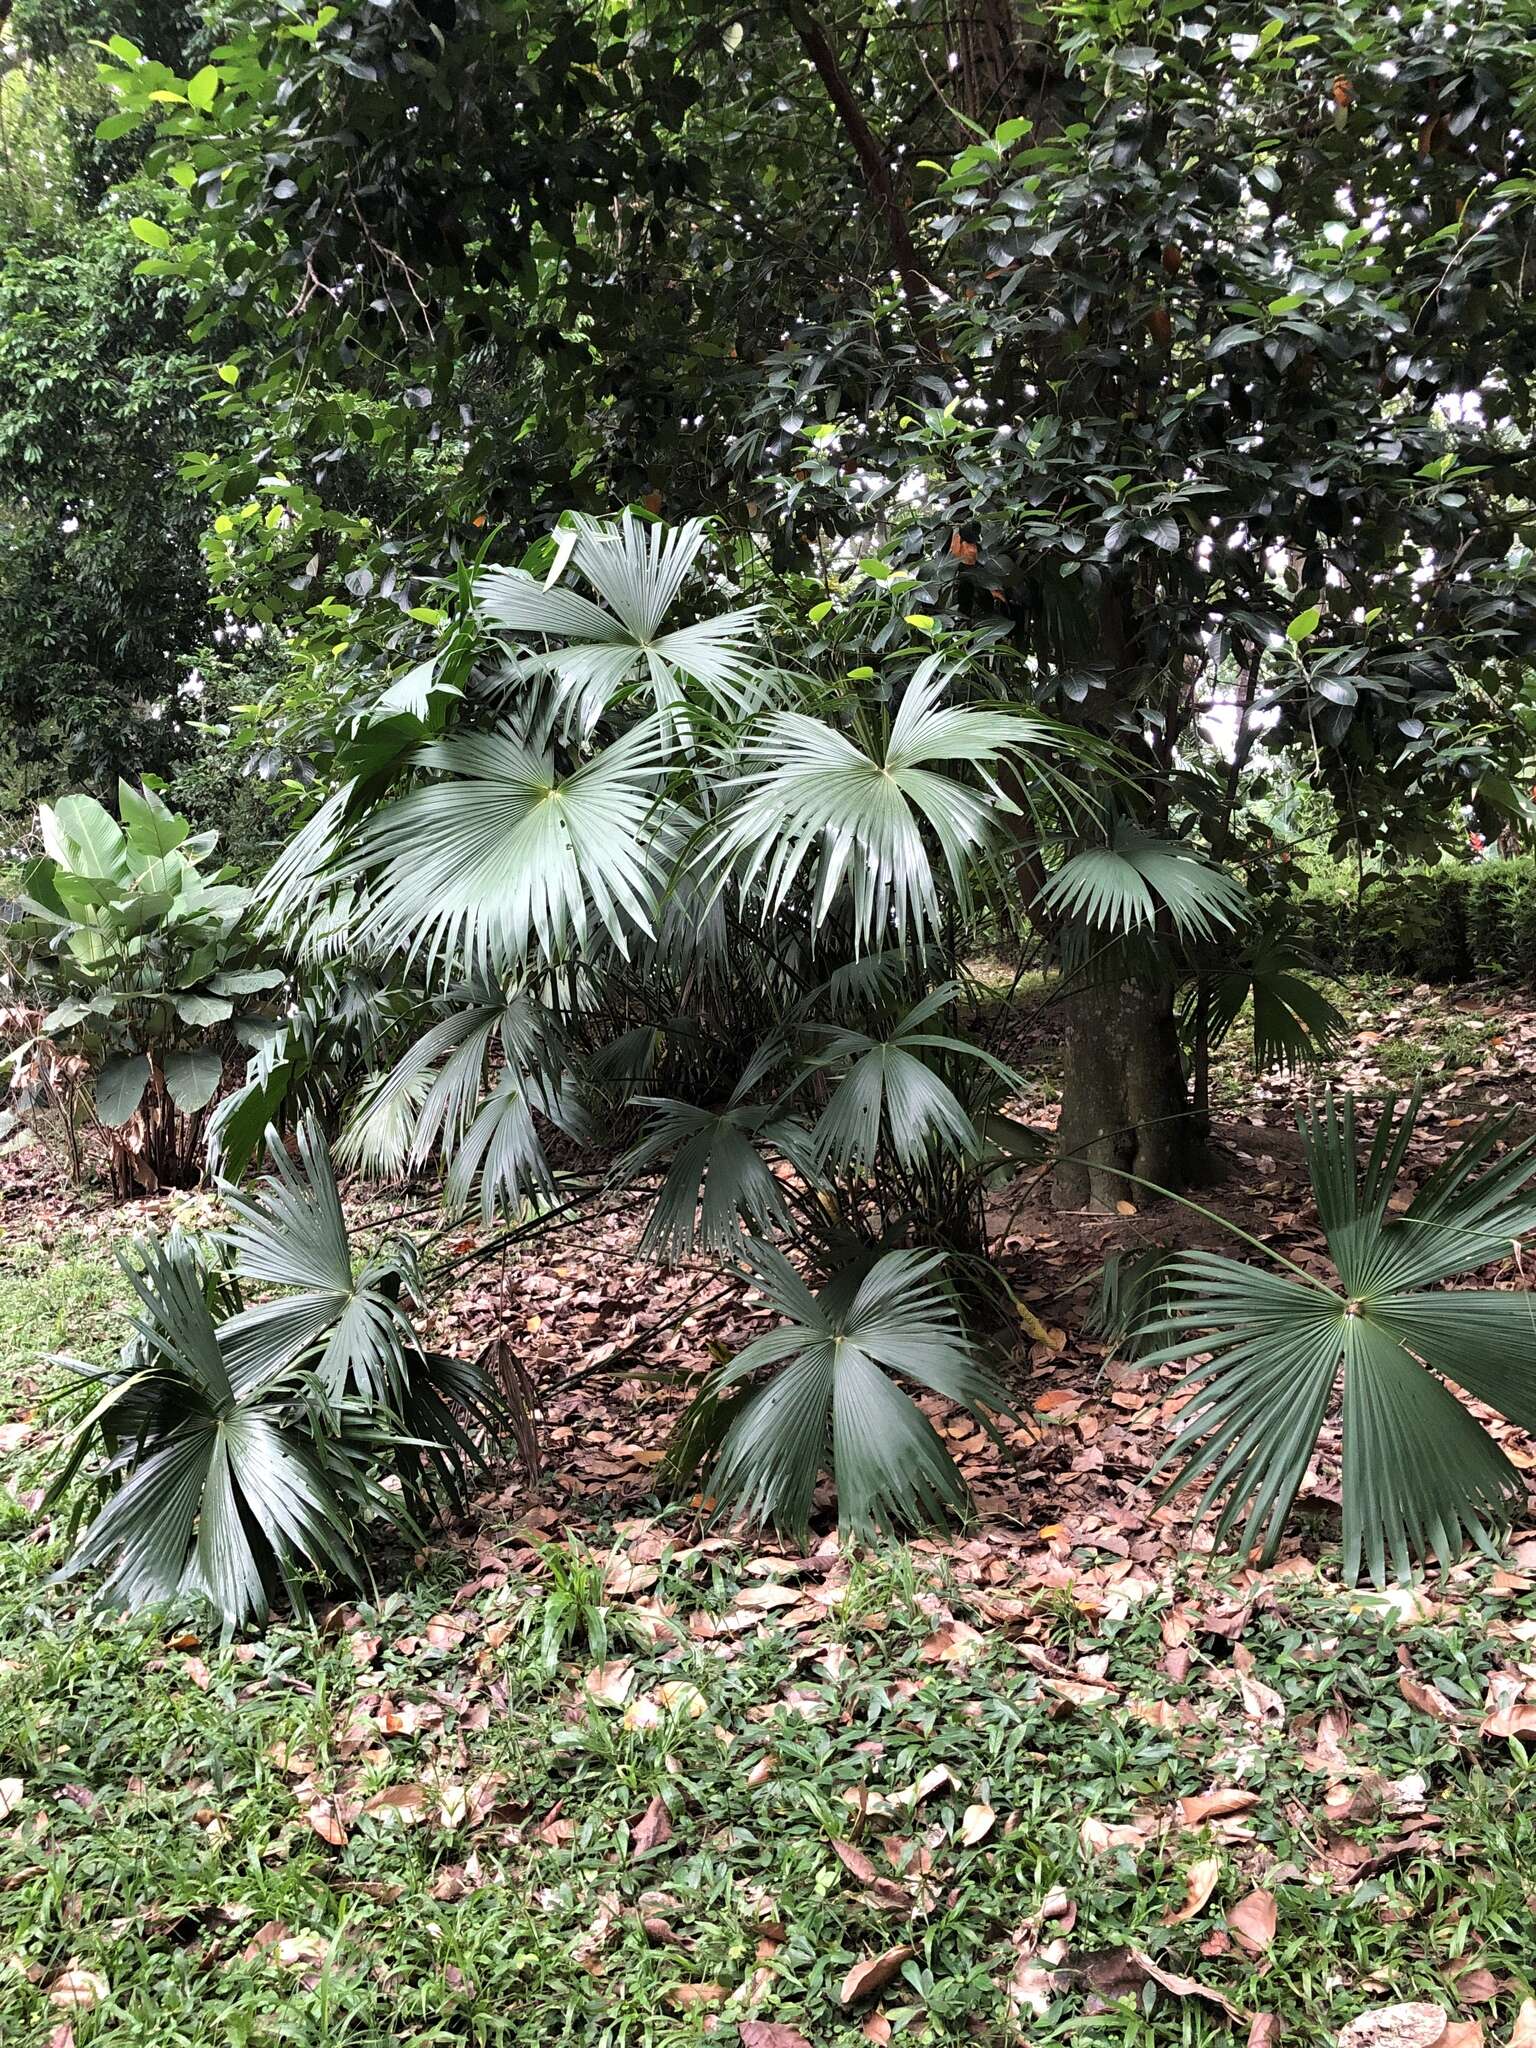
x,y
872,162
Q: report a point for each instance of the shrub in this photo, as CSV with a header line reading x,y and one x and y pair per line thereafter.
x,y
1435,924
246,1442
132,962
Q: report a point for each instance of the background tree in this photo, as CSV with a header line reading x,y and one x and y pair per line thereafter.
x,y
103,592
1196,383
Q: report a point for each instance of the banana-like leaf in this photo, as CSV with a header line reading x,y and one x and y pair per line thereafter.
x,y
193,1078
1421,1477
120,1088
830,1399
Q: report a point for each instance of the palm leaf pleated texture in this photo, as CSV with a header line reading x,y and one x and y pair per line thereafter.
x,y
1421,1477
245,1445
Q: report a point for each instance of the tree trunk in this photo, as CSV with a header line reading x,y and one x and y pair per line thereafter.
x,y
1124,1100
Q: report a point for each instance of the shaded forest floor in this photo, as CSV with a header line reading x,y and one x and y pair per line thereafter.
x,y
592,1772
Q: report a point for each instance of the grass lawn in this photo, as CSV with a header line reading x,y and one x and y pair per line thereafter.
x,y
657,1789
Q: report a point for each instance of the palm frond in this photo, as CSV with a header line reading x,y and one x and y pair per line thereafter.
x,y
505,852
876,828
719,1188
1294,1023
1421,1477
1120,889
890,1094
830,1400
215,1492
639,571
290,1233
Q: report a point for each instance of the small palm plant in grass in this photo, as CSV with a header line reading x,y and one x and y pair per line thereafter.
x,y
246,1447
1421,1477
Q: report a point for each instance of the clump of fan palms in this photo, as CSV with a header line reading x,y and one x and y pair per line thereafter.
x,y
646,872
243,1447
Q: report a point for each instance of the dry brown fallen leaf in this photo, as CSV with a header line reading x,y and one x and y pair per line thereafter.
x,y
690,1997
955,1643
763,1599
611,1684
1215,1805
1476,1987
876,2028
1462,2034
1395,2026
76,1989
652,1829
1508,1713
406,1803
855,1862
1427,1698
1200,1880
12,1792
1265,2031
1184,1987
327,1823
1252,1921
770,2034
976,1824
1098,1837
872,1975
1524,2035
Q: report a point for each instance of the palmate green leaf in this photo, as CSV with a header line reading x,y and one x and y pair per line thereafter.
x,y
1421,1477
876,830
216,1493
1119,889
505,852
831,1400
890,1095
639,571
439,1101
1294,1023
289,1232
719,1190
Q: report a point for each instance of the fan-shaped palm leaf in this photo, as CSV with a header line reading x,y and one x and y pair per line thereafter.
x,y
1294,1023
506,852
289,1232
639,570
866,825
890,1094
831,1399
1421,1477
1120,889
215,1492
719,1188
